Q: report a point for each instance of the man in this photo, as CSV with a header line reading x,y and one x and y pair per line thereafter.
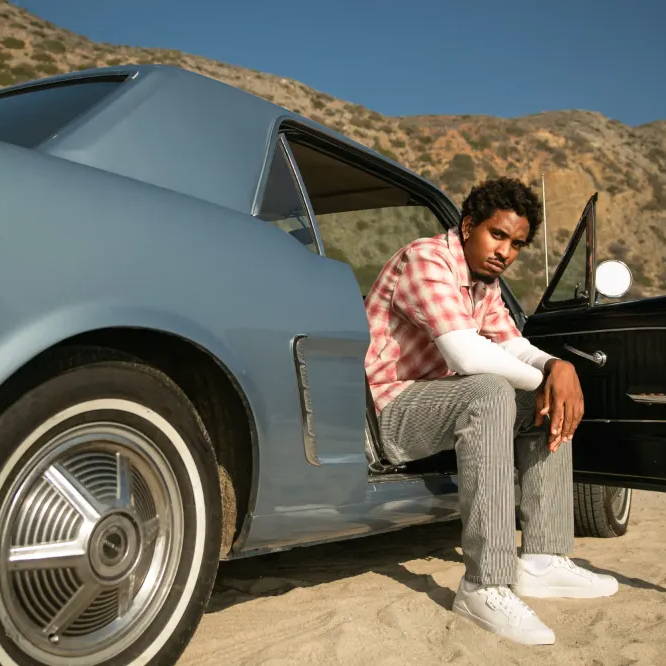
x,y
449,369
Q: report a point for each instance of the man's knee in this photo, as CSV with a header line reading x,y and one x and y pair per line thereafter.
x,y
493,388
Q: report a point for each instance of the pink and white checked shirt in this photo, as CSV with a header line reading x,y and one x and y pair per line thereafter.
x,y
424,291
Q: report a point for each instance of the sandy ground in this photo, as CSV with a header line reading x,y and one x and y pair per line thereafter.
x,y
387,599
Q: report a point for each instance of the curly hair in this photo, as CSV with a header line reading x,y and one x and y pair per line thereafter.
x,y
503,194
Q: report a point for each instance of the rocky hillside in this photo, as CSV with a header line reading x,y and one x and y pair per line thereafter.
x,y
579,152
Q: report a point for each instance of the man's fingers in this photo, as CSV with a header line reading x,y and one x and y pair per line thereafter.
x,y
568,421
541,408
556,418
576,410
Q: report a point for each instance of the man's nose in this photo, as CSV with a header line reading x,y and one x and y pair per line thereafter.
x,y
502,250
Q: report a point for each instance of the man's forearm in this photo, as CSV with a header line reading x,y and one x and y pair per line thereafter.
x,y
468,353
523,350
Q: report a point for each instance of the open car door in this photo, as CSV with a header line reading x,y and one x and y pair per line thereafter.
x,y
619,350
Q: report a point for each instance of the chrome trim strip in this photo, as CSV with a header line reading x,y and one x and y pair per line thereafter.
x,y
591,253
304,195
307,414
599,330
648,398
610,421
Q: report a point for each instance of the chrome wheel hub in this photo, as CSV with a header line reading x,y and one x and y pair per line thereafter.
x,y
114,547
91,535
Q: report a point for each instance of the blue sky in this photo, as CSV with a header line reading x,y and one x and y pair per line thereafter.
x,y
414,57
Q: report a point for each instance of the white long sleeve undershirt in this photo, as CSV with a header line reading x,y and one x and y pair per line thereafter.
x,y
525,351
468,353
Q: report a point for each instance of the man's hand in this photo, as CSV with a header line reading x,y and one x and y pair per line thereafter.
x,y
561,397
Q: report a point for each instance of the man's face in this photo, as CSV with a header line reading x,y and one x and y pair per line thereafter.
x,y
492,246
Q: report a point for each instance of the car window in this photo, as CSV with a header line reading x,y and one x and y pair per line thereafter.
x,y
366,239
571,285
362,219
31,115
283,205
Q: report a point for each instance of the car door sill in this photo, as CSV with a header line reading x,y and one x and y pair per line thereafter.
x,y
391,477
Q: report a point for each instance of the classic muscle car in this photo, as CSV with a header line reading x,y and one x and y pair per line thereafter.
x,y
181,356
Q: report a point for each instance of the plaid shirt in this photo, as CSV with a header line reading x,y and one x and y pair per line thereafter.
x,y
424,291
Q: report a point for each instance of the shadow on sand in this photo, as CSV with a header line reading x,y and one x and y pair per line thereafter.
x,y
275,574
623,580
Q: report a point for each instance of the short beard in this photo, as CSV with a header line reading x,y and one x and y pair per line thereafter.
x,y
486,279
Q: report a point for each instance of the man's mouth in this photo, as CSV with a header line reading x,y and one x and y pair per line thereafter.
x,y
495,265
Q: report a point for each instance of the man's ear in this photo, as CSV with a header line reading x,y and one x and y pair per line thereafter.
x,y
465,226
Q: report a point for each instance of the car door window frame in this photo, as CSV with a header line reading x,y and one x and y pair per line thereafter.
x,y
304,194
282,145
586,227
363,158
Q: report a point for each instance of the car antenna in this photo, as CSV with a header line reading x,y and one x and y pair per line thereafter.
x,y
545,225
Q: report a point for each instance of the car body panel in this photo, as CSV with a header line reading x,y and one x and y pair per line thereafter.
x,y
622,437
130,254
620,441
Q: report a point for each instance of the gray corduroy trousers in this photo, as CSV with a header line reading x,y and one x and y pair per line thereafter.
x,y
490,426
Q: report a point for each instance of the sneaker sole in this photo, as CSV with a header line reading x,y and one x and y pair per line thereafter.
x,y
460,607
560,591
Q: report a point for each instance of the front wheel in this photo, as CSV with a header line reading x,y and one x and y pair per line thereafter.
x,y
109,519
601,511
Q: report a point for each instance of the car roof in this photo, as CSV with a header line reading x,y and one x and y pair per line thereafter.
x,y
180,130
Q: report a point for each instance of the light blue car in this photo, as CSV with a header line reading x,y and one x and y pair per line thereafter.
x,y
182,337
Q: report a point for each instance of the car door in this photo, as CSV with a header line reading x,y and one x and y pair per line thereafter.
x,y
619,351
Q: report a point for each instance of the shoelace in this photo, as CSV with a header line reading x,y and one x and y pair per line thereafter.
x,y
502,598
563,561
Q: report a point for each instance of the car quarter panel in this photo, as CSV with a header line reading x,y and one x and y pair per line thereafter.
x,y
85,249
176,129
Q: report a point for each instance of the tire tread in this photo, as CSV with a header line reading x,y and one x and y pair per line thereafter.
x,y
591,513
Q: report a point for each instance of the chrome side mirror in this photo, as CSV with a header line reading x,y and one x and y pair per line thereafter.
x,y
613,278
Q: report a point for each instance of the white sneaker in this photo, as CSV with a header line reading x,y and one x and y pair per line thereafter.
x,y
497,609
561,578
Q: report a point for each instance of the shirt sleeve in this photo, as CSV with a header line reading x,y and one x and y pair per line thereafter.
x,y
498,325
525,351
427,292
467,353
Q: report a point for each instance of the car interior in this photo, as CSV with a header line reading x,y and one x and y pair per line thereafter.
x,y
358,210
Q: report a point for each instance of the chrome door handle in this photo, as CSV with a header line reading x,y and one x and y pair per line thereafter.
x,y
597,357
648,398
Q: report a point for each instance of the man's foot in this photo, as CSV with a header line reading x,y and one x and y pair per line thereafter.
x,y
497,609
558,576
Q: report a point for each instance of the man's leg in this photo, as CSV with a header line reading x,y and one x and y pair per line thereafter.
x,y
476,415
546,483
546,512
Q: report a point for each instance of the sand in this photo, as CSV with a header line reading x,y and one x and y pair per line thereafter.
x,y
387,600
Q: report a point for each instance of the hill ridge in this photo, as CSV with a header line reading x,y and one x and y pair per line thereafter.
x,y
578,151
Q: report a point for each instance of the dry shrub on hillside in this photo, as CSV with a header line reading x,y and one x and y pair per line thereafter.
x,y
460,172
53,45
13,43
361,121
24,72
42,57
48,68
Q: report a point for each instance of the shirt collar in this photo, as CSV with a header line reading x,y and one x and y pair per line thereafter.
x,y
456,249
462,269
